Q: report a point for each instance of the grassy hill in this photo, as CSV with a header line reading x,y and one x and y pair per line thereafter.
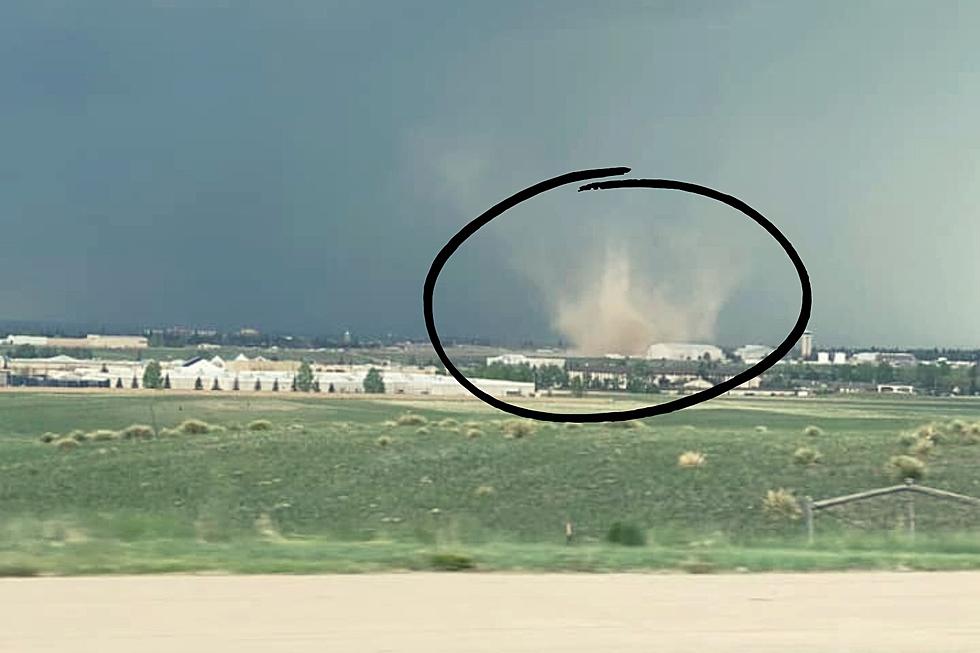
x,y
362,484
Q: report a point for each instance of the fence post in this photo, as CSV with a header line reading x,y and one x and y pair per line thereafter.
x,y
808,512
910,506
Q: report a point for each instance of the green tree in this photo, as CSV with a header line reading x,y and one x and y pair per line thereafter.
x,y
166,382
373,382
577,387
304,378
119,383
258,384
216,385
199,384
275,385
135,384
151,376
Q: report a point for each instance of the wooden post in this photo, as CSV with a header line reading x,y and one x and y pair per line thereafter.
x,y
910,506
808,513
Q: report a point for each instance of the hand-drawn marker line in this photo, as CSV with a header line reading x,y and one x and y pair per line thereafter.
x,y
637,413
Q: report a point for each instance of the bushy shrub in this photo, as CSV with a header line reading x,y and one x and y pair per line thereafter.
x,y
903,467
573,425
422,430
761,429
806,456
927,431
384,441
66,444
260,425
473,433
77,435
922,447
49,437
448,423
781,504
137,432
691,460
907,439
194,427
484,490
169,433
626,534
451,562
518,428
103,435
411,419
956,426
812,431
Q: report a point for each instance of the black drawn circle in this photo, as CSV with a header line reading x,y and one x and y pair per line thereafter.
x,y
637,413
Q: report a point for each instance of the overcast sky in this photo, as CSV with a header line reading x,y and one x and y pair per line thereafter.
x,y
296,165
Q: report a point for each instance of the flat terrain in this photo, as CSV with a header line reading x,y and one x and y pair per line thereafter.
x,y
432,613
311,483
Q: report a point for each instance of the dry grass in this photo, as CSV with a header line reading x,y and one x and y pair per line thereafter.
x,y
484,490
781,504
691,460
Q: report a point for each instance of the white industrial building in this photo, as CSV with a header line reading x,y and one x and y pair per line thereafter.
x,y
752,354
259,374
521,359
681,351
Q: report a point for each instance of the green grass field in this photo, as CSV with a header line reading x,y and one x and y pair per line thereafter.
x,y
338,485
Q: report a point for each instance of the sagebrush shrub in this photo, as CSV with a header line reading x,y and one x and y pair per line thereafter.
x,y
903,467
422,430
691,460
781,503
137,432
49,437
66,444
260,425
812,431
104,434
626,534
411,419
518,428
384,441
473,433
922,447
194,427
806,456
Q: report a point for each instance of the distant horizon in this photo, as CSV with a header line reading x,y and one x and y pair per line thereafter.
x,y
67,328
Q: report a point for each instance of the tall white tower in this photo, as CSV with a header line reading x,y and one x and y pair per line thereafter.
x,y
806,345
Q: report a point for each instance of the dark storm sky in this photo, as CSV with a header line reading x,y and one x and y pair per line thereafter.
x,y
296,165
